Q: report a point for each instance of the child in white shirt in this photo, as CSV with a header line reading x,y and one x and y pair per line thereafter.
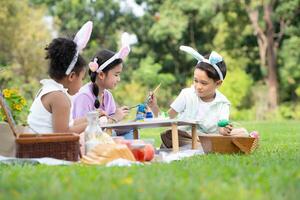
x,y
201,102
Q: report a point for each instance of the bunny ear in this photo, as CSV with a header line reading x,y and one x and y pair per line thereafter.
x,y
81,39
214,57
125,38
125,49
124,52
192,52
83,35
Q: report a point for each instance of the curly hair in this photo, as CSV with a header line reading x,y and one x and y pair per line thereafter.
x,y
102,57
60,52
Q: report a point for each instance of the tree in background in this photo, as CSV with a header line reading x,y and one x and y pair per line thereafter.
x,y
269,56
270,29
23,37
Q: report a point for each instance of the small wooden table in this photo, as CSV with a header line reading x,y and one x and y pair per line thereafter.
x,y
174,123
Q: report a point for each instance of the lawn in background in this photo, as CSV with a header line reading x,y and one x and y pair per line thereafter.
x,y
271,172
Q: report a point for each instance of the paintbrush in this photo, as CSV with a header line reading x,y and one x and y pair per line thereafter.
x,y
133,107
149,97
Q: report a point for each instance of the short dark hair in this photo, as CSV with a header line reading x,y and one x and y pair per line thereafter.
x,y
60,52
102,57
211,71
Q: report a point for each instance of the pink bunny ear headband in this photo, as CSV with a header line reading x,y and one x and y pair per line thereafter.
x,y
81,39
123,52
213,59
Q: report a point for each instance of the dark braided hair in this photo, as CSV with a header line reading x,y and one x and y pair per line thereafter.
x,y
210,70
102,56
60,52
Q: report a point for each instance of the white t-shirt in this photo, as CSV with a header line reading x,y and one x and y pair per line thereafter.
x,y
189,106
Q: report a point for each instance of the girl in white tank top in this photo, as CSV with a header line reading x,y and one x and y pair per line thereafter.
x,y
39,118
51,109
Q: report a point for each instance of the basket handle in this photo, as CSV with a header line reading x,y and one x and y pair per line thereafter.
x,y
8,115
240,146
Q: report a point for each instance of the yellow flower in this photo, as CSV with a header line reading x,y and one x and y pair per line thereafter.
x,y
18,107
6,93
23,101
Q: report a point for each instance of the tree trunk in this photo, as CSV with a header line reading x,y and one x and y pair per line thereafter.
x,y
272,78
267,51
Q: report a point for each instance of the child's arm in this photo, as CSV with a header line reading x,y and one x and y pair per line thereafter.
x,y
78,128
172,113
226,130
224,115
120,113
80,121
153,104
60,109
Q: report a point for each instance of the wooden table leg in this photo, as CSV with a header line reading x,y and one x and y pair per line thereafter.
x,y
175,142
135,133
109,131
194,137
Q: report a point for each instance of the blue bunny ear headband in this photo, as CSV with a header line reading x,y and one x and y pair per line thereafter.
x,y
213,59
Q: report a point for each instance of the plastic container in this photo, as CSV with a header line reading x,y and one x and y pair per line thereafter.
x,y
140,113
149,115
91,131
94,134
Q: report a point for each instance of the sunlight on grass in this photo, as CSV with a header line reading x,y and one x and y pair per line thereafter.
x,y
271,172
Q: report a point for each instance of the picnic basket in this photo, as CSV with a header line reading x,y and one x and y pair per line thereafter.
x,y
228,144
63,146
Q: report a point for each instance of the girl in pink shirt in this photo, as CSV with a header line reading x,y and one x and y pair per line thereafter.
x,y
104,71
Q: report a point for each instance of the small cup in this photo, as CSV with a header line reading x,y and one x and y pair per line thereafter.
x,y
138,151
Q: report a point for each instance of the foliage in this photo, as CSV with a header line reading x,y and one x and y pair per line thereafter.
x,y
271,172
23,38
236,93
223,26
148,74
17,104
289,72
289,111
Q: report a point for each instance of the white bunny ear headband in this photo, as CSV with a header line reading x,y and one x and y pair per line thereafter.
x,y
213,59
81,39
123,52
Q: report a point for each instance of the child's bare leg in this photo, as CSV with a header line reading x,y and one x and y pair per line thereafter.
x,y
183,137
239,132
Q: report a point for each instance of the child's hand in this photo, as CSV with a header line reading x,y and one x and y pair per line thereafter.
x,y
152,100
152,103
102,113
121,113
226,130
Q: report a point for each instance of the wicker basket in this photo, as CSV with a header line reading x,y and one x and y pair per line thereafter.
x,y
63,146
228,144
60,146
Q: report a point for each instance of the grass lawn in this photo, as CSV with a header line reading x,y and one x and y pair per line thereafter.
x,y
271,172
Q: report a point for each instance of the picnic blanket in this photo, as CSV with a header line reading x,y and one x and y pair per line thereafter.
x,y
162,156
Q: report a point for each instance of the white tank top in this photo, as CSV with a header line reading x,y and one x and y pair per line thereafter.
x,y
40,119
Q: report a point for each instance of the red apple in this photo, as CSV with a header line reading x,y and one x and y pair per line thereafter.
x,y
149,152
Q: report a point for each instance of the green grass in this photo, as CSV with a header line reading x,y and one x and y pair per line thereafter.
x,y
271,172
